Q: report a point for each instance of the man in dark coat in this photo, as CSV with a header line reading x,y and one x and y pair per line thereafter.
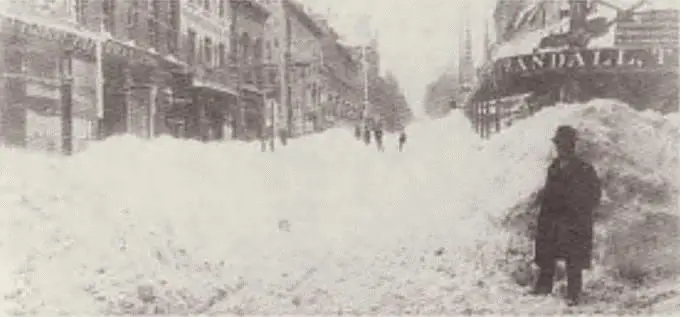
x,y
367,135
565,222
402,140
378,133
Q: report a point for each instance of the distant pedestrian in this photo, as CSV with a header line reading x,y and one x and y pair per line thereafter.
x,y
402,140
367,135
283,136
565,221
379,138
357,132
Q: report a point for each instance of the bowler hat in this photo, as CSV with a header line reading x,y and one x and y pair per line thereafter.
x,y
565,133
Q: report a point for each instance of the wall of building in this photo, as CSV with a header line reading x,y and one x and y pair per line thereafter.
x,y
30,85
208,22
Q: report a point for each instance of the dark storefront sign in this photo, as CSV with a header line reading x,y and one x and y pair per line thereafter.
x,y
592,60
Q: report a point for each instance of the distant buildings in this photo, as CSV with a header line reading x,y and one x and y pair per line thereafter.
x,y
199,69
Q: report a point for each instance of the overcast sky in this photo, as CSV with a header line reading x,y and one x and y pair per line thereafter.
x,y
418,38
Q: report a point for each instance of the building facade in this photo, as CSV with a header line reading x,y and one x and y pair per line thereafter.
x,y
306,58
294,38
139,59
341,98
113,66
40,46
248,53
200,69
206,98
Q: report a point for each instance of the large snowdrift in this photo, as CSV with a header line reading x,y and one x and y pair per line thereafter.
x,y
328,224
636,156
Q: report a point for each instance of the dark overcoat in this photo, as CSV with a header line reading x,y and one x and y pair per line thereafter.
x,y
565,220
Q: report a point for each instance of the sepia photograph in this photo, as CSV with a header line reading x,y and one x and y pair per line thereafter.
x,y
339,157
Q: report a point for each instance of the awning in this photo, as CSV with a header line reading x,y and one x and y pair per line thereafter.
x,y
214,88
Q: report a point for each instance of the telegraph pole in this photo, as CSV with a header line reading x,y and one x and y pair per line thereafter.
x,y
284,56
99,79
66,90
236,62
365,68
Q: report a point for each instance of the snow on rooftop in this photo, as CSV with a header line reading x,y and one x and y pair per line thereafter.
x,y
324,225
527,42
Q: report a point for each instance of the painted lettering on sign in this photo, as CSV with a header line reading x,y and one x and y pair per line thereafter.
x,y
588,59
64,38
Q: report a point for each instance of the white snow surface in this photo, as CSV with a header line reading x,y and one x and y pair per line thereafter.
x,y
329,225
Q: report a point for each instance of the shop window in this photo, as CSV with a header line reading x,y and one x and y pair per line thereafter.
x,y
155,23
222,8
133,13
191,54
222,52
80,10
109,15
173,26
208,50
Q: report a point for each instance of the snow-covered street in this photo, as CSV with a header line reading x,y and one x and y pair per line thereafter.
x,y
329,225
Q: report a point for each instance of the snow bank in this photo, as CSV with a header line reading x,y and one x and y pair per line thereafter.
x,y
325,225
674,118
132,226
635,154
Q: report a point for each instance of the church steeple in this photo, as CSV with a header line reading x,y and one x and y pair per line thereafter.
x,y
487,42
466,66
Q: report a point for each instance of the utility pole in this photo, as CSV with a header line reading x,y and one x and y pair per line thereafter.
x,y
287,36
284,56
66,90
236,62
99,81
364,62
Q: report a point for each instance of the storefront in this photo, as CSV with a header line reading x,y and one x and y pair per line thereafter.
x,y
253,122
640,77
138,91
33,60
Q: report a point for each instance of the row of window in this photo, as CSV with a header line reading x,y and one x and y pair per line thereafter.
x,y
158,24
209,52
210,5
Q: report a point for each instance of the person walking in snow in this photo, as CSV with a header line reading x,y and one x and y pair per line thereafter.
x,y
367,135
402,140
357,132
378,137
571,193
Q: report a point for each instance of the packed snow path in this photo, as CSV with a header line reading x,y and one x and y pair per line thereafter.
x,y
328,225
